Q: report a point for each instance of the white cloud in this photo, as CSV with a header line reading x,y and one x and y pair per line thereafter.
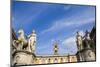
x,y
70,40
70,44
76,20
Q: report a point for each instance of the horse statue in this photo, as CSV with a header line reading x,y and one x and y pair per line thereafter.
x,y
32,42
21,43
79,41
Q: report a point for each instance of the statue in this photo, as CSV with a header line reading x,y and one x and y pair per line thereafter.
x,y
32,42
87,36
79,41
21,38
15,45
22,49
21,42
87,39
25,44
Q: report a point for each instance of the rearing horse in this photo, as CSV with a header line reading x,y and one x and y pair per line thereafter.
x,y
22,40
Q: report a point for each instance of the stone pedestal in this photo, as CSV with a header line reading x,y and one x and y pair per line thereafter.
x,y
23,58
86,55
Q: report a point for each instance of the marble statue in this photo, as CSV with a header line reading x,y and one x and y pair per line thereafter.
x,y
87,36
79,41
21,39
15,45
21,42
87,39
32,42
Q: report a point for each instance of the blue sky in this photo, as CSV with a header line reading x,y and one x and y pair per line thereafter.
x,y
53,23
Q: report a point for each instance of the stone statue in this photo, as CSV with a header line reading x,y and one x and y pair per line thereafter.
x,y
21,39
87,36
21,42
79,41
15,45
32,42
87,39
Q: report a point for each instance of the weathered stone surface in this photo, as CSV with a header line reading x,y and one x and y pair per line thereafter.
x,y
89,55
23,58
86,55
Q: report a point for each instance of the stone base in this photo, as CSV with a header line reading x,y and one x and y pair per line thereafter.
x,y
22,58
86,55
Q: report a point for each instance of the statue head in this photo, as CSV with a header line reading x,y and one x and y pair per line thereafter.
x,y
21,31
78,33
33,31
87,33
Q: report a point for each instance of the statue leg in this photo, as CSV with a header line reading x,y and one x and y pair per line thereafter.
x,y
78,45
33,49
30,49
18,48
29,46
81,46
20,45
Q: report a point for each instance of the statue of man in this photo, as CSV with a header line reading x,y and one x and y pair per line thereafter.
x,y
79,41
87,39
32,42
87,36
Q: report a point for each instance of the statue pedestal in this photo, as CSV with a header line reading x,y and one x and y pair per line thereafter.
x,y
86,55
23,58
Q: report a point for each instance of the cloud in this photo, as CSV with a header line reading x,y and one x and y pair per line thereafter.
x,y
43,49
69,40
70,44
75,20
